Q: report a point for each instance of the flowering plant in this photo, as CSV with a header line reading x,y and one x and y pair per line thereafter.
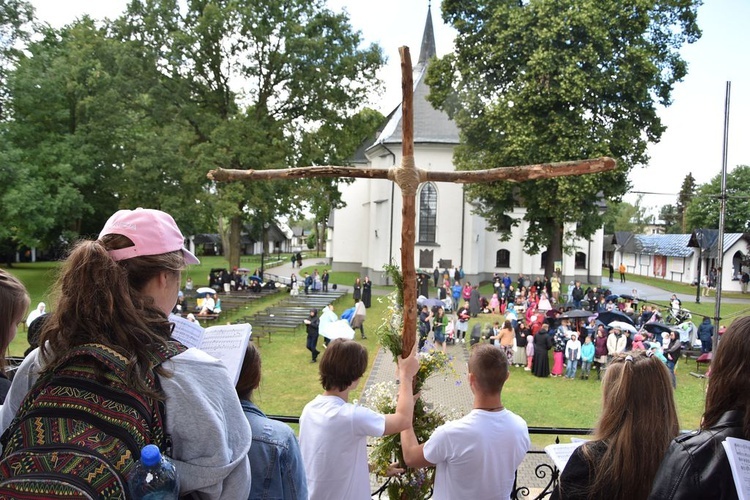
x,y
414,483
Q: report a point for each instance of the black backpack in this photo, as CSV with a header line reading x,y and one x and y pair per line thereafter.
x,y
79,431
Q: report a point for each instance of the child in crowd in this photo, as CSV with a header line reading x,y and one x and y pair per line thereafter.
x,y
587,357
573,354
529,352
438,328
333,432
495,304
638,342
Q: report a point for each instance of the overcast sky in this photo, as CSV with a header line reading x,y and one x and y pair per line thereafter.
x,y
694,137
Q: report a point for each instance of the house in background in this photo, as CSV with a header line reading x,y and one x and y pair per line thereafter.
x,y
277,234
675,257
298,242
366,234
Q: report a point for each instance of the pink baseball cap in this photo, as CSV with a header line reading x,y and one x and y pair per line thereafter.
x,y
153,232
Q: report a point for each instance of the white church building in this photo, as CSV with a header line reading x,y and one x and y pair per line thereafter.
x,y
366,234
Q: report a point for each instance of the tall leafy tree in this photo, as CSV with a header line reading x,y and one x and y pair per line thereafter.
x,y
551,80
250,79
703,210
685,196
672,219
72,117
16,17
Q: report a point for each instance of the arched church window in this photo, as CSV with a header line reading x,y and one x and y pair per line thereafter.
x,y
427,213
580,260
502,258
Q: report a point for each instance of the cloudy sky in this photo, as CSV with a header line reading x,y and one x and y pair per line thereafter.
x,y
694,137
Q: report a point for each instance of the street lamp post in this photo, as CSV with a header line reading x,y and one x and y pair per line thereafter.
x,y
699,237
263,249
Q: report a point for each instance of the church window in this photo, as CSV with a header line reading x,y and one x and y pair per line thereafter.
x,y
428,214
580,260
502,258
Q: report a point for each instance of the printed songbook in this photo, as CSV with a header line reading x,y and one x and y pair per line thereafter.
x,y
226,343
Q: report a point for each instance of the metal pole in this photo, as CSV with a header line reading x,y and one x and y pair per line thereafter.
x,y
700,258
723,201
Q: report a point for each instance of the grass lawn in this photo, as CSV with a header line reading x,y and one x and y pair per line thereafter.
x,y
290,380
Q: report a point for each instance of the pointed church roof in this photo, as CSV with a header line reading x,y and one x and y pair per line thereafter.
x,y
428,40
431,126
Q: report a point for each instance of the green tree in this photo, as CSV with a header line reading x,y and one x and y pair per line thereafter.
x,y
251,79
550,80
703,210
672,219
16,17
72,119
624,216
685,196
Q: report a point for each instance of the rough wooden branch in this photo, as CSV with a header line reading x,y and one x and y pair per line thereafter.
x,y
230,175
508,174
408,180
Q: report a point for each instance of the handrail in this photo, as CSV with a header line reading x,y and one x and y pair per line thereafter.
x,y
543,471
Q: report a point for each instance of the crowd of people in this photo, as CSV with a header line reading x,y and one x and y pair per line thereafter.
x,y
114,296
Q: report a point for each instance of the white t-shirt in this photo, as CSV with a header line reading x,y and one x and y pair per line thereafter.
x,y
477,456
333,441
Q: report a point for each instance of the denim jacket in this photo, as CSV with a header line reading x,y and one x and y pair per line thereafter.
x,y
275,461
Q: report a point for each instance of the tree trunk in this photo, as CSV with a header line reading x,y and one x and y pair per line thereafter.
x,y
554,250
233,251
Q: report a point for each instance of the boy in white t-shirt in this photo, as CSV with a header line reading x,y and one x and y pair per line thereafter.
x,y
476,456
333,432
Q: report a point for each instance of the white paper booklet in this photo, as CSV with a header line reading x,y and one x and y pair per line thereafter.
x,y
560,453
738,453
226,343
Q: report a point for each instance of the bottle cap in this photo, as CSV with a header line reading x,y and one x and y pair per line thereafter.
x,y
150,455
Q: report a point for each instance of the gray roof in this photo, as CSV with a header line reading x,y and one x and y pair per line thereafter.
x,y
430,125
669,245
675,245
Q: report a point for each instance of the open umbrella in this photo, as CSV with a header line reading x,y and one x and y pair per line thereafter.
x,y
623,326
626,296
608,317
205,289
243,270
611,297
575,314
337,329
430,302
656,328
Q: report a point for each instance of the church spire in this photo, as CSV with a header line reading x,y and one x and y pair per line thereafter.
x,y
428,39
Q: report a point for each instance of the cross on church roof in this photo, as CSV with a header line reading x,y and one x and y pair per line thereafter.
x,y
408,177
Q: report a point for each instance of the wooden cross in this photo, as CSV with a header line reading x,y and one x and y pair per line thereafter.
x,y
408,177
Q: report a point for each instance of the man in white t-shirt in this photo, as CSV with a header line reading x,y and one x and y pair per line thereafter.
x,y
477,456
333,432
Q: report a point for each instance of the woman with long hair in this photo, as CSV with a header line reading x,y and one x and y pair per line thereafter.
x,y
695,465
14,300
621,460
117,292
275,460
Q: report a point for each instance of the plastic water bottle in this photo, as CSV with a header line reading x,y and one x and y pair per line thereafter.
x,y
154,477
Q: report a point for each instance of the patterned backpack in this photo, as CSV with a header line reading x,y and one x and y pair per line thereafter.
x,y
80,430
